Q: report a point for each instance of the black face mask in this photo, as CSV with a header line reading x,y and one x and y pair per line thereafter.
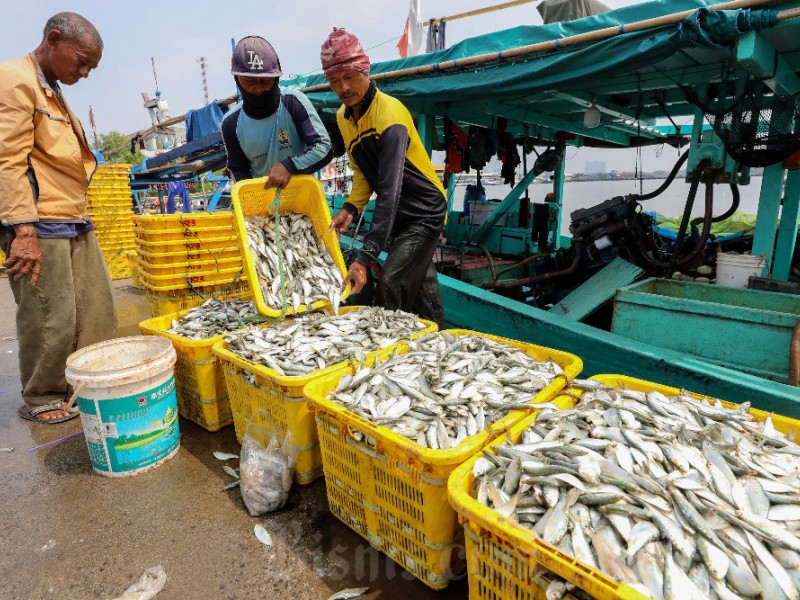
x,y
261,106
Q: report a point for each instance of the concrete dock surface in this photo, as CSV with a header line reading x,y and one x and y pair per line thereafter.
x,y
69,533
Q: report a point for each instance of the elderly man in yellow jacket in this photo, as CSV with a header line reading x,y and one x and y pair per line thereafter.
x,y
55,267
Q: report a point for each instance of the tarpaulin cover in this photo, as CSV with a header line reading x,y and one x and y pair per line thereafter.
x,y
553,11
583,65
203,121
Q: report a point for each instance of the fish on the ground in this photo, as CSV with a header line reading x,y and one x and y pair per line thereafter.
x,y
294,268
349,593
446,388
673,496
225,455
263,535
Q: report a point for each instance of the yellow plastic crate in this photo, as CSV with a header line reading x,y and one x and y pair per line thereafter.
x,y
188,221
303,195
213,245
170,235
168,283
502,556
199,382
134,267
168,302
183,267
190,256
282,396
394,494
118,266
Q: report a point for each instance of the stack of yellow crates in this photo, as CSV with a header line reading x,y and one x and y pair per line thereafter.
x,y
186,259
111,210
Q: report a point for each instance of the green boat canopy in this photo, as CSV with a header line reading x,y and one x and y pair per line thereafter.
x,y
632,77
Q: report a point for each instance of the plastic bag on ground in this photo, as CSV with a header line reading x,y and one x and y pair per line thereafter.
x,y
266,465
148,585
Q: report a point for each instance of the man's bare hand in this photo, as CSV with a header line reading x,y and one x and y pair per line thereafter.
x,y
278,176
357,275
341,221
25,256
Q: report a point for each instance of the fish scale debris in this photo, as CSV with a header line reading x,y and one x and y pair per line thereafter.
x,y
674,496
314,341
215,317
309,273
446,388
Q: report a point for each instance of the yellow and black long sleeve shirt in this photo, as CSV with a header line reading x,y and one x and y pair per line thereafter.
x,y
388,158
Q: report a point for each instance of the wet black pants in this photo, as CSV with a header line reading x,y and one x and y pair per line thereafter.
x,y
408,278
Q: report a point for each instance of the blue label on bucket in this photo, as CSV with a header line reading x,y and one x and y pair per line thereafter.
x,y
130,433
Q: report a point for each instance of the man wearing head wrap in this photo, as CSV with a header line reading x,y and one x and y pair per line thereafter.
x,y
389,159
274,132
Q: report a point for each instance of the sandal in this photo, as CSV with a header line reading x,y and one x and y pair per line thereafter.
x,y
30,414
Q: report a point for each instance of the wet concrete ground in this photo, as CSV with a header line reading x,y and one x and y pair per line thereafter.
x,y
68,533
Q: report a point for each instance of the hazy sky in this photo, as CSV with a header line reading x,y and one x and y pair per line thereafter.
x,y
177,33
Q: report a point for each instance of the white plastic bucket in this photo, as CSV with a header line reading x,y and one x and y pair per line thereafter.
x,y
126,395
735,270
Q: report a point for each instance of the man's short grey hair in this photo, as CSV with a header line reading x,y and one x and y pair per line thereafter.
x,y
73,27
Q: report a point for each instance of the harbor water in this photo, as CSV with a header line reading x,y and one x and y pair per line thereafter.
x,y
584,194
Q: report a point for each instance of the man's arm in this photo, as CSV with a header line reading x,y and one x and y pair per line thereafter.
x,y
319,150
17,204
238,165
393,145
17,105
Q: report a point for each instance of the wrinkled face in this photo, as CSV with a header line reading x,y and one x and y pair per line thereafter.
x,y
350,86
69,61
256,85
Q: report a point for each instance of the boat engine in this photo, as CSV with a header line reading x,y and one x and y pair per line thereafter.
x,y
610,229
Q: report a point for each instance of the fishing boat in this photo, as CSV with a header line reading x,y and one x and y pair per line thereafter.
x,y
625,79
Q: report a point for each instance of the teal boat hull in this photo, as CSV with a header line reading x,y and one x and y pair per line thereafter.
x,y
603,352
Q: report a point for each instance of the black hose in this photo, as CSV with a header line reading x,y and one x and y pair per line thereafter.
x,y
707,220
734,206
667,182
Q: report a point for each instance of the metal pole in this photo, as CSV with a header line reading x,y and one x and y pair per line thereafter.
x,y
480,11
202,62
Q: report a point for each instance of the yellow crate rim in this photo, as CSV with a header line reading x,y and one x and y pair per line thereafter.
x,y
214,265
483,520
160,325
220,349
184,287
294,198
408,451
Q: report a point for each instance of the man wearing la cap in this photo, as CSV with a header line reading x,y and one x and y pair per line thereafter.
x,y
275,132
388,158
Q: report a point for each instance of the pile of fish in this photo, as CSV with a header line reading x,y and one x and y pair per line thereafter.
x,y
446,389
215,317
673,496
309,273
314,341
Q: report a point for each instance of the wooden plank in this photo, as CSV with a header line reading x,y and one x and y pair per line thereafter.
x,y
598,290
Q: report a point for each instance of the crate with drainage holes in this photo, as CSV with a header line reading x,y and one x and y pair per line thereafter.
x,y
390,488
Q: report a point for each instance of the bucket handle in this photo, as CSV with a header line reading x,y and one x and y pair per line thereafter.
x,y
78,389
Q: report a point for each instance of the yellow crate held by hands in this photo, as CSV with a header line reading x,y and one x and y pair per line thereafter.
x,y
503,556
304,195
394,493
253,388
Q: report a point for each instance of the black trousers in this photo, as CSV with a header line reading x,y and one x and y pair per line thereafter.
x,y
408,278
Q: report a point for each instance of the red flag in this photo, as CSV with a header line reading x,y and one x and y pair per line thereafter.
x,y
91,118
410,43
402,45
